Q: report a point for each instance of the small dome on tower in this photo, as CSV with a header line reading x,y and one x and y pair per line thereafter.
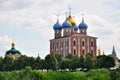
x,y
75,27
71,20
13,50
66,24
83,25
57,25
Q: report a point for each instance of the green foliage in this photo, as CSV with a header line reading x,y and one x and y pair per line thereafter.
x,y
65,64
57,62
7,64
37,63
29,74
99,74
59,59
1,63
115,75
104,61
51,62
81,62
74,63
89,62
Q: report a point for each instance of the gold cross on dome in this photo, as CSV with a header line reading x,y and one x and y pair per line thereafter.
x,y
57,17
66,14
82,16
69,10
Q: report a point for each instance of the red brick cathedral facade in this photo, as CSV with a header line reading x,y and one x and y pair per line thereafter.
x,y
73,39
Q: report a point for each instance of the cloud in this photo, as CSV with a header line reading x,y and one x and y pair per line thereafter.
x,y
101,16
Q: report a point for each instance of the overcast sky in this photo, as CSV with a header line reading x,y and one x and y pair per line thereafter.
x,y
30,23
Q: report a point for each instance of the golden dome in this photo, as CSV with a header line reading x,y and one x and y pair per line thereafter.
x,y
71,20
99,52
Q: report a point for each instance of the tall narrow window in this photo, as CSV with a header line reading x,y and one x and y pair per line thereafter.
x,y
74,43
74,52
83,43
83,52
67,42
92,52
91,43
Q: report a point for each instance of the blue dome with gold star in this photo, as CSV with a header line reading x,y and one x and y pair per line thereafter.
x,y
83,25
66,24
13,50
57,26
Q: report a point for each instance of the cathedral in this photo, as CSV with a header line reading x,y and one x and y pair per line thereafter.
x,y
72,39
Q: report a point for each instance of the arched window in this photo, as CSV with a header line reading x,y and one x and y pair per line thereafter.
x,y
83,43
67,42
83,52
92,52
74,43
74,52
91,43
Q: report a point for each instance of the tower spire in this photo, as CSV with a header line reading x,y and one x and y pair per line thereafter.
x,y
13,44
114,52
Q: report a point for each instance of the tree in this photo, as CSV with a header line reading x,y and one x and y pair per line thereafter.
x,y
23,61
1,63
74,63
20,63
51,62
43,64
8,63
69,56
37,63
81,62
59,59
88,62
65,64
104,61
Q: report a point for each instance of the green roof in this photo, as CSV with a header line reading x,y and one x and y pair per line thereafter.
x,y
13,51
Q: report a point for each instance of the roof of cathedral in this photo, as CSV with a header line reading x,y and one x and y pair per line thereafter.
x,y
71,20
13,50
83,35
66,24
83,25
79,35
57,25
75,27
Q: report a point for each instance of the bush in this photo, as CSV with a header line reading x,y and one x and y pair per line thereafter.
x,y
29,74
99,74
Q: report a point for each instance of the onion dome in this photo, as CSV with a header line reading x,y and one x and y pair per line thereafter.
x,y
66,24
57,26
75,27
99,52
83,25
71,20
13,50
